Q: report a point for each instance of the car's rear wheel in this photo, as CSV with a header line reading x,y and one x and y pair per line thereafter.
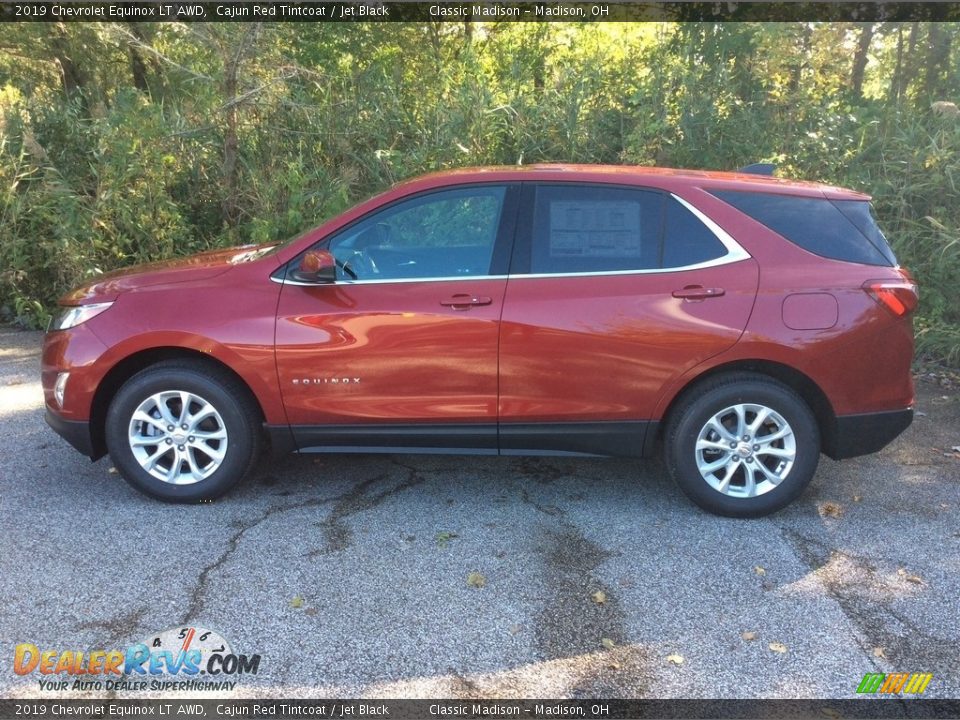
x,y
182,431
742,445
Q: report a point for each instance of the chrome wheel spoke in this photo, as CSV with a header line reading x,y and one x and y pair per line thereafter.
x,y
213,453
192,462
750,484
741,414
220,434
758,421
715,425
184,408
143,417
710,468
768,474
723,447
151,460
165,412
774,436
202,414
777,452
173,472
728,476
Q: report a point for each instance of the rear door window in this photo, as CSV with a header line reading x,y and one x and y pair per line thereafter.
x,y
585,229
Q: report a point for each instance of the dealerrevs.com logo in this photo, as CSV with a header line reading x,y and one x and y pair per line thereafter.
x,y
186,658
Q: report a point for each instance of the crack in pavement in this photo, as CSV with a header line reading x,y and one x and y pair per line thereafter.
x,y
866,600
337,534
243,526
121,627
347,503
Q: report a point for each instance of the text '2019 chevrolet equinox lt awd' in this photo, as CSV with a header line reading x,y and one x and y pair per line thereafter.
x,y
744,324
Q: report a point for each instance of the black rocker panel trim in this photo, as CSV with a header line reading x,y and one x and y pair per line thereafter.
x,y
613,439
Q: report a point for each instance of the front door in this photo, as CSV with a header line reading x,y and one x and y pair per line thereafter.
x,y
402,348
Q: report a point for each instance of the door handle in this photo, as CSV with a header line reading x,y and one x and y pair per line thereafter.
x,y
698,292
463,300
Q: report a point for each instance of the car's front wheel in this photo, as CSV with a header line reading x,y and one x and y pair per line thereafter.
x,y
742,445
182,431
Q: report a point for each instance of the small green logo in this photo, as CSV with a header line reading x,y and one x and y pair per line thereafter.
x,y
894,683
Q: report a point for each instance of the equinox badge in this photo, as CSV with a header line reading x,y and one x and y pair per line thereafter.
x,y
327,381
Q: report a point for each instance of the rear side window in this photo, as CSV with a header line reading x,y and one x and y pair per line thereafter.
x,y
579,229
687,241
841,230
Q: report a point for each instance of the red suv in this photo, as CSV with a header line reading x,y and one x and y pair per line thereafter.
x,y
744,324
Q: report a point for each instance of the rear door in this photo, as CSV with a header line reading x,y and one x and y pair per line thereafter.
x,y
613,292
402,348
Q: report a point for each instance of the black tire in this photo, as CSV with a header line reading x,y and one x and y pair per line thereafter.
x,y
235,410
691,416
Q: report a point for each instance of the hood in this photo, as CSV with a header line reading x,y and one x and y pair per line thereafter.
x,y
165,272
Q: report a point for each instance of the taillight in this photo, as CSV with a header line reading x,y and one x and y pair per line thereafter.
x,y
899,296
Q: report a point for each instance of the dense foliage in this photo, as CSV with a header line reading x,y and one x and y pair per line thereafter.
x,y
121,143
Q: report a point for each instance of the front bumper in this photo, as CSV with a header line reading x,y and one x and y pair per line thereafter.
x,y
855,435
75,432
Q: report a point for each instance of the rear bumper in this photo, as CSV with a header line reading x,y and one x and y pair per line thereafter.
x,y
75,432
856,435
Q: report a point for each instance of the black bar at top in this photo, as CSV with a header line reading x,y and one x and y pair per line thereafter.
x,y
293,11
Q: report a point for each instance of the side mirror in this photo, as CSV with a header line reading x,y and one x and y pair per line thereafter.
x,y
316,266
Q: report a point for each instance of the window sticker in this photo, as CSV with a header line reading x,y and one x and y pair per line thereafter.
x,y
599,229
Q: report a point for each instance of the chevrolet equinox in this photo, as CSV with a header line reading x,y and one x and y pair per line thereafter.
x,y
739,324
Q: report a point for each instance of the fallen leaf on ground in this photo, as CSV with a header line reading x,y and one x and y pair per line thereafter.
x,y
675,659
879,652
777,647
830,509
748,635
599,597
476,580
310,611
608,643
909,577
443,538
296,602
759,570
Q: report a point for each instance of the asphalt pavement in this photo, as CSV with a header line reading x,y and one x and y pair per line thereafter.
x,y
432,576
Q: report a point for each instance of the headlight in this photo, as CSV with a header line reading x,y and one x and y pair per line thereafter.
x,y
73,316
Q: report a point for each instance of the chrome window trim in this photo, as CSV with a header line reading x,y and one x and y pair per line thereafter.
x,y
735,253
725,260
449,278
